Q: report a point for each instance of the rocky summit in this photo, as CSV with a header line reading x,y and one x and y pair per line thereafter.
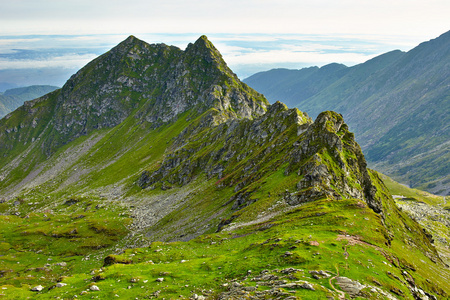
x,y
155,172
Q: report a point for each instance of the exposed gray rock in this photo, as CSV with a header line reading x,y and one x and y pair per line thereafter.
x,y
320,273
60,284
350,286
307,285
37,288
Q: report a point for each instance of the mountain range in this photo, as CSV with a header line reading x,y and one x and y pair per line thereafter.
x,y
155,172
13,98
396,103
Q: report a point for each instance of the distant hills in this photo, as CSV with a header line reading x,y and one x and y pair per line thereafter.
x,y
13,98
6,86
397,104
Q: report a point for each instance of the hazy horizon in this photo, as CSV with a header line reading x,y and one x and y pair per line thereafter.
x,y
46,42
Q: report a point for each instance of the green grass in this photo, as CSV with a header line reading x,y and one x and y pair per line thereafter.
x,y
40,248
316,234
398,189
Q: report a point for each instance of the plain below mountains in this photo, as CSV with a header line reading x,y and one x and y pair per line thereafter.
x,y
397,104
13,98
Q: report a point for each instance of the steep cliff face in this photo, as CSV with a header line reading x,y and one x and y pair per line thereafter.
x,y
331,163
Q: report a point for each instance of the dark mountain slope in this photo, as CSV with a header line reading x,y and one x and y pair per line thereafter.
x,y
397,105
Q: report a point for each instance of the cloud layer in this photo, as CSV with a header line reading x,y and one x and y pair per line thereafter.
x,y
244,53
253,35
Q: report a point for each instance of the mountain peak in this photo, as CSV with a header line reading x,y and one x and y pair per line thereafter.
x,y
203,38
204,43
131,38
125,45
204,49
155,83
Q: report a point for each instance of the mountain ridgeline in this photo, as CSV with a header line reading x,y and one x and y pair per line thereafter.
x,y
13,98
396,103
149,144
115,85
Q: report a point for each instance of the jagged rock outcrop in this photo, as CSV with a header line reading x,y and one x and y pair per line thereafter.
x,y
323,154
331,163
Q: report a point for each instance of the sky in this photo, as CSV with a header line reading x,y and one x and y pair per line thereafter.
x,y
45,41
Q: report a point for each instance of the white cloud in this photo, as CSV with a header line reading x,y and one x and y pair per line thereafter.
x,y
64,62
12,41
303,57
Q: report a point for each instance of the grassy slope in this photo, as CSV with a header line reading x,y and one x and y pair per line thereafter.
x,y
312,233
429,210
396,188
216,258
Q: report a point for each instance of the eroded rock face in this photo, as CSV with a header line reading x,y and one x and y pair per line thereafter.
x,y
331,164
350,286
323,154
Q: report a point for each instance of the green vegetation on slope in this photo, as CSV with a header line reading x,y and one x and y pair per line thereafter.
x,y
429,210
303,238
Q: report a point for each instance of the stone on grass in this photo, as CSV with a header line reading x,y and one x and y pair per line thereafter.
x,y
61,284
349,286
307,286
94,288
37,288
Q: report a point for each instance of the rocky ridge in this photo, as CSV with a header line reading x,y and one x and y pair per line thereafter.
x,y
154,83
323,154
158,82
149,85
